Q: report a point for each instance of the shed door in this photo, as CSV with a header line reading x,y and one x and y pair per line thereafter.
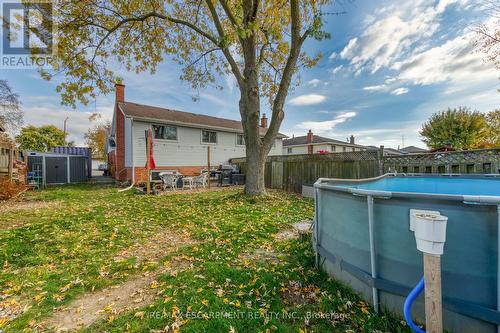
x,y
56,170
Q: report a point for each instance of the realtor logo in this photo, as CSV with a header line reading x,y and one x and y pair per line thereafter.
x,y
27,34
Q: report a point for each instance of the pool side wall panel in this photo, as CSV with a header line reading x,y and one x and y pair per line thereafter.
x,y
469,262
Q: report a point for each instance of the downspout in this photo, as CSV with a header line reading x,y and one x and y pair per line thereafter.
x,y
132,156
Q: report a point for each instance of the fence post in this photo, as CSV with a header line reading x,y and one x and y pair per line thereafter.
x,y
380,159
11,163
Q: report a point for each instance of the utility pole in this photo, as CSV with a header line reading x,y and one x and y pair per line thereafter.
x,y
402,141
65,120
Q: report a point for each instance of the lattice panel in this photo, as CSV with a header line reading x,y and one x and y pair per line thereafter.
x,y
470,161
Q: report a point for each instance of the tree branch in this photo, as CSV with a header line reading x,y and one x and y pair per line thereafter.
x,y
229,14
296,43
157,15
203,55
224,48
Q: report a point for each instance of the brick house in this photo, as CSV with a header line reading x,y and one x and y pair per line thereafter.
x,y
312,144
180,139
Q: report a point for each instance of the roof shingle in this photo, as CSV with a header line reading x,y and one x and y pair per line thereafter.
x,y
148,112
302,140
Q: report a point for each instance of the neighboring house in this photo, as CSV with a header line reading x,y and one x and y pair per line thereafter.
x,y
180,139
413,150
402,151
312,144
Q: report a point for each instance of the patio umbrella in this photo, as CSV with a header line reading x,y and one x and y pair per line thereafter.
x,y
151,159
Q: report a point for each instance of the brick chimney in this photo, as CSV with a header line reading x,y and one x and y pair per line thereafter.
x,y
310,138
263,121
120,93
351,140
120,171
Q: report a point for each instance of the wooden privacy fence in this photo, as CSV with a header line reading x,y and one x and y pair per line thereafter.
x,y
290,172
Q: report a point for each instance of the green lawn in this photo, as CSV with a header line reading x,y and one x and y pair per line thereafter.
x,y
61,244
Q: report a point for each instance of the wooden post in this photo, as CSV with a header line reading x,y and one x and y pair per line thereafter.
x,y
208,165
380,158
148,167
433,300
11,163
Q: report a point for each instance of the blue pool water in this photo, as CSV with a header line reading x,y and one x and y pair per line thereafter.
x,y
433,185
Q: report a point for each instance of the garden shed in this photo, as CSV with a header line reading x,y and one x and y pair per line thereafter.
x,y
53,168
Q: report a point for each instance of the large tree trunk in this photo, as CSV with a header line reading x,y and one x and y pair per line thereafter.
x,y
256,152
254,184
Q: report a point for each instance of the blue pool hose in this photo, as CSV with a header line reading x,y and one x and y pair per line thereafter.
x,y
409,302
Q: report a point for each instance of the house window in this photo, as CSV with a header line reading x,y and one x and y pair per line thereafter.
x,y
332,148
289,150
165,132
344,149
208,136
240,139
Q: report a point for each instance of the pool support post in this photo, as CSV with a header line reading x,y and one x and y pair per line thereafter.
x,y
498,263
433,297
373,265
316,226
430,236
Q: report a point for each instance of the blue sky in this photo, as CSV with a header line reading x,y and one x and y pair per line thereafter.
x,y
388,66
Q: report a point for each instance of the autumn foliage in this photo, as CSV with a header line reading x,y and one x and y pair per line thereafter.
x,y
8,189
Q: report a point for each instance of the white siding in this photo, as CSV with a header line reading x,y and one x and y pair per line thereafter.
x,y
128,142
188,150
295,150
277,147
318,147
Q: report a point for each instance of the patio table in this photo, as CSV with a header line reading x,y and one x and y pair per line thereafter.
x,y
189,181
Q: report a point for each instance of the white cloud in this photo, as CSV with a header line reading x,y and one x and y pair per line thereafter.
x,y
336,69
231,82
314,82
77,124
348,51
455,60
390,80
392,36
388,134
309,99
322,127
333,56
400,91
377,88
216,100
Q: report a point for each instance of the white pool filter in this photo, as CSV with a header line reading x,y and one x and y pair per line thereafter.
x,y
430,230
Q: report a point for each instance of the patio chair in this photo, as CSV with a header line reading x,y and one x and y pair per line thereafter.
x,y
169,180
201,180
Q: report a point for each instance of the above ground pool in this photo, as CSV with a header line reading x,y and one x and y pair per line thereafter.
x,y
362,237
